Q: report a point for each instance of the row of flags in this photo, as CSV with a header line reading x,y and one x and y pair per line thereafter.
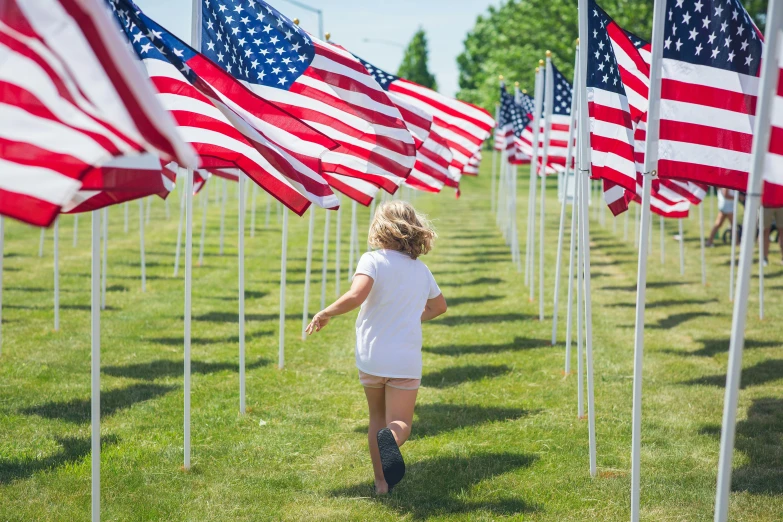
x,y
85,127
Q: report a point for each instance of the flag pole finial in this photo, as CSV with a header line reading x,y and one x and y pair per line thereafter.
x,y
577,42
296,21
500,77
537,68
328,36
524,91
516,84
540,63
549,54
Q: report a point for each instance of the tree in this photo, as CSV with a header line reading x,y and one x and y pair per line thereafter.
x,y
414,63
511,38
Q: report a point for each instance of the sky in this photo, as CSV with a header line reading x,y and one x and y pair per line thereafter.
x,y
376,30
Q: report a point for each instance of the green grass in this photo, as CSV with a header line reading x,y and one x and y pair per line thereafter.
x,y
496,434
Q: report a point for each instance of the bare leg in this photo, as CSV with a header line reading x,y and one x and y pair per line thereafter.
x,y
718,223
399,412
376,400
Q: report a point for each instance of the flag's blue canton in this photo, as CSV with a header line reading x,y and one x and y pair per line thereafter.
x,y
715,33
149,40
254,42
635,40
511,113
563,93
527,103
603,72
383,78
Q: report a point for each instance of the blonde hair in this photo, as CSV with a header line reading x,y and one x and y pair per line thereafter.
x,y
397,226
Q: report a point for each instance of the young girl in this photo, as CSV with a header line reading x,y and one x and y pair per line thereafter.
x,y
396,292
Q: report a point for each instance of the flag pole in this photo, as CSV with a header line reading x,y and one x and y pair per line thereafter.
x,y
531,226
241,234
75,230
761,262
514,227
325,260
337,245
702,244
204,210
682,248
354,233
734,231
141,242
105,270
283,267
563,206
308,271
574,215
182,206
95,372
549,88
580,309
651,163
769,75
56,274
494,165
223,205
253,211
663,242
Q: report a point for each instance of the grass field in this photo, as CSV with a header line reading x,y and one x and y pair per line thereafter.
x,y
496,434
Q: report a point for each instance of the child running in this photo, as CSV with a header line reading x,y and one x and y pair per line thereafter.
x,y
396,292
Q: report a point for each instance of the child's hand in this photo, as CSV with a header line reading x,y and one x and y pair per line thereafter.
x,y
320,320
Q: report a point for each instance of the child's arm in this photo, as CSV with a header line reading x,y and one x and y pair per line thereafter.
x,y
434,308
351,300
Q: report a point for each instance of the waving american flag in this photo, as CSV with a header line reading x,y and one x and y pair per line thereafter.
x,y
773,169
317,82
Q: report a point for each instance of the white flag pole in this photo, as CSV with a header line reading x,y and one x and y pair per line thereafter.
x,y
580,299
188,310
57,274
702,244
501,191
308,271
204,210
182,207
95,372
571,259
549,88
354,233
761,262
735,218
75,230
534,163
223,205
663,241
682,248
283,261
494,165
105,270
517,255
253,211
325,259
337,245
141,242
563,206
651,164
241,234
769,74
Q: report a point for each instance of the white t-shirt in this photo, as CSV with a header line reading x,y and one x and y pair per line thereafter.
x,y
388,329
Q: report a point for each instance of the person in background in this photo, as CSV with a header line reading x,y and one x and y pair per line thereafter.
x,y
725,212
772,216
397,293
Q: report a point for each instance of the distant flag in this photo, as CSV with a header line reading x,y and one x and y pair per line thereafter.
x,y
227,124
773,166
315,81
462,125
711,63
69,104
561,124
524,142
472,168
515,115
611,123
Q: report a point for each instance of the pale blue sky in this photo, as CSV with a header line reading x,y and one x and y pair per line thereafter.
x,y
351,22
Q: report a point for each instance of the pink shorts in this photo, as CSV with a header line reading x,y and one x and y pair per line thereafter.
x,y
373,381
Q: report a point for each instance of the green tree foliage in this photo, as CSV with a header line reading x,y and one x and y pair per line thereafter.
x,y
510,40
414,63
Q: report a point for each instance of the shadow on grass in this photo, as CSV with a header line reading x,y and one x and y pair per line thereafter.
x,y
475,282
72,450
460,320
675,320
233,317
457,301
457,375
519,344
761,373
759,437
712,347
82,308
654,284
179,341
166,368
440,486
249,294
113,401
434,419
667,303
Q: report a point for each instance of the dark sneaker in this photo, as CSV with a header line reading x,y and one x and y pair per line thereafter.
x,y
391,458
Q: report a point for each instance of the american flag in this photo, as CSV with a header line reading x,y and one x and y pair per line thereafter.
x,y
472,168
561,124
157,179
773,166
462,125
68,105
315,81
513,119
228,125
431,172
711,63
611,124
524,142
